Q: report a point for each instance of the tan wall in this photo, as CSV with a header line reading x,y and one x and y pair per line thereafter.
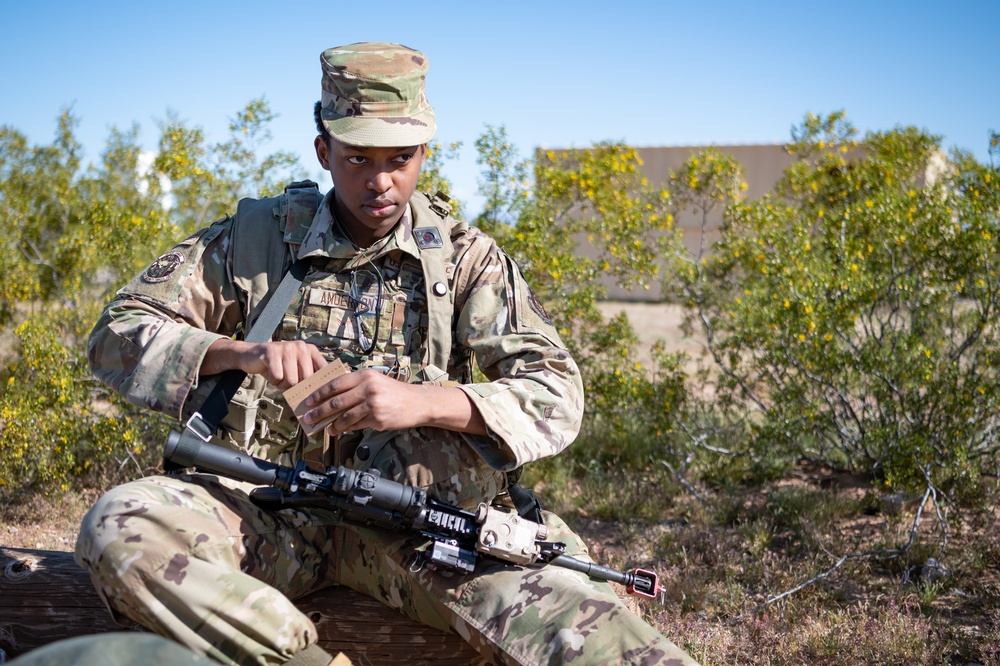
x,y
762,166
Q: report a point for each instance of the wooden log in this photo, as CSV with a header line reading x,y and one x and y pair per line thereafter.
x,y
45,596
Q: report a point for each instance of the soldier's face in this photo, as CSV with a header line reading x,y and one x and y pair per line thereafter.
x,y
371,185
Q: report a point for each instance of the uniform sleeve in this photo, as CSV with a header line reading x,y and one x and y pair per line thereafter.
x,y
150,341
533,403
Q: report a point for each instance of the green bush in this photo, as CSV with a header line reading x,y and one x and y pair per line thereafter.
x,y
56,426
851,313
599,198
69,237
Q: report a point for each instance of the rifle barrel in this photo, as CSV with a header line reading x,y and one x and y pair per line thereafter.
x,y
185,449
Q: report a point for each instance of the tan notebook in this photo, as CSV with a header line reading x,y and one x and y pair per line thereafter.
x,y
296,396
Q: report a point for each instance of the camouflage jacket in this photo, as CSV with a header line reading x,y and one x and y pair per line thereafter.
x,y
150,341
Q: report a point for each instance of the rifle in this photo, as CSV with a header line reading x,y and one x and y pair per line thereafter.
x,y
457,536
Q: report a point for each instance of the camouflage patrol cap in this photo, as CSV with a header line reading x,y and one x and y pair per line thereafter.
x,y
373,95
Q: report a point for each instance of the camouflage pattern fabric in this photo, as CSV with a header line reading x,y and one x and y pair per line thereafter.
x,y
112,649
191,558
373,95
532,405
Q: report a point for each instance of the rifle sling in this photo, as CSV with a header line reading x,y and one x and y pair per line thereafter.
x,y
525,502
206,419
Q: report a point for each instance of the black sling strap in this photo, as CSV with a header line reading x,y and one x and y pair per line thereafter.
x,y
525,502
206,419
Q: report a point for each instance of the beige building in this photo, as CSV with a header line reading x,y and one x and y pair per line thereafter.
x,y
762,165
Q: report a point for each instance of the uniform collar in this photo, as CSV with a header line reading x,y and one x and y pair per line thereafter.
x,y
324,238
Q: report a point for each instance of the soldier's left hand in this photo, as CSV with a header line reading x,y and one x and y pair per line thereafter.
x,y
364,399
370,399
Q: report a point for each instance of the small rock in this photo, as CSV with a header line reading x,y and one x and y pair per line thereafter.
x,y
899,502
933,571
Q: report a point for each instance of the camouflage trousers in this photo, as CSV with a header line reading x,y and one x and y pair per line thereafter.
x,y
192,558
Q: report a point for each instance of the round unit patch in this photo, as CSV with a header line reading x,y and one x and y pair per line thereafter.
x,y
161,269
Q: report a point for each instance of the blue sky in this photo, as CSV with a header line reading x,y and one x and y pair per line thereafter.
x,y
556,74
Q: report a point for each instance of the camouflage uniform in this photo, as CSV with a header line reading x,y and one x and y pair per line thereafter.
x,y
119,649
112,649
192,558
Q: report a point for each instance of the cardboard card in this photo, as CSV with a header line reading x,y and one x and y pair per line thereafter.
x,y
296,395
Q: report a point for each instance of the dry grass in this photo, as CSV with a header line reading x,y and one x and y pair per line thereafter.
x,y
720,561
44,523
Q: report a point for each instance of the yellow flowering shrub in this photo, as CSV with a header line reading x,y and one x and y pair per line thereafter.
x,y
541,212
852,312
71,235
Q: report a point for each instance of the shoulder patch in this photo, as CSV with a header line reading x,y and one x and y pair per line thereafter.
x,y
537,308
161,269
426,237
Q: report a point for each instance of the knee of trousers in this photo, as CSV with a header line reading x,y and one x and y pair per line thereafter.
x,y
106,530
137,528
552,615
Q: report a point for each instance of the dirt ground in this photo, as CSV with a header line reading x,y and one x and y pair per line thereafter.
x,y
45,523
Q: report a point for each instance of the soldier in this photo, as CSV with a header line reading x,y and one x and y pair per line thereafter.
x,y
405,296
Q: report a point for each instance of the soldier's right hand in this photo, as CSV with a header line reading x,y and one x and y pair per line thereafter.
x,y
282,363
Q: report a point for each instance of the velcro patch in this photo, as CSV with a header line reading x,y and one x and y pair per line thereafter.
x,y
338,300
328,298
161,269
427,237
